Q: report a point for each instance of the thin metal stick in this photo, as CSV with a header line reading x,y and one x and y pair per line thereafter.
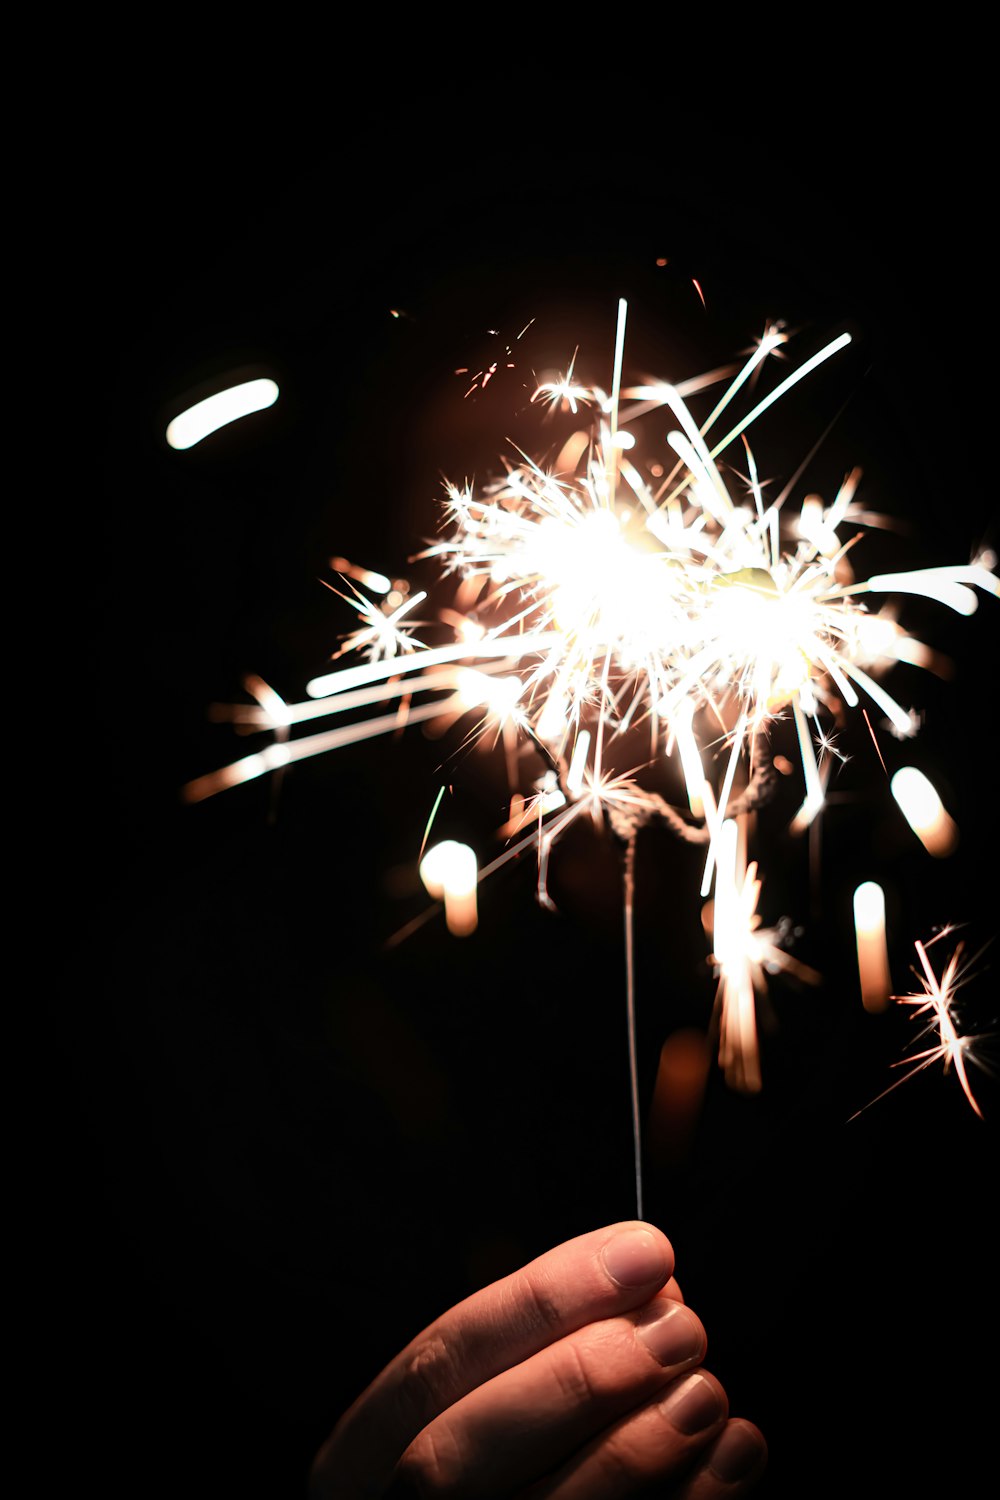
x,y
633,1068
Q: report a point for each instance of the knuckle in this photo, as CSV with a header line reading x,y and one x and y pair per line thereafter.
x,y
621,1467
430,1469
544,1307
427,1382
576,1375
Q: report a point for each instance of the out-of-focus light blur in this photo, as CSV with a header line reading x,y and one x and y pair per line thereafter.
x,y
679,1094
207,416
923,810
377,582
450,872
873,956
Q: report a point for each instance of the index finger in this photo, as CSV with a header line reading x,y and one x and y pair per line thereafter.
x,y
594,1276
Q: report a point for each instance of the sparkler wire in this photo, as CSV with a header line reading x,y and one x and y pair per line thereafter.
x,y
633,1066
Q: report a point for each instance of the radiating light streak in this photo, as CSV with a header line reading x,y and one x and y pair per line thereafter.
x,y
206,417
772,340
786,385
727,786
691,763
275,756
276,711
430,822
353,677
949,586
578,765
649,397
924,811
616,379
257,716
873,954
377,582
815,794
903,722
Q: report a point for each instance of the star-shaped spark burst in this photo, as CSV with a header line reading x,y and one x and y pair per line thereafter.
x,y
380,637
937,1002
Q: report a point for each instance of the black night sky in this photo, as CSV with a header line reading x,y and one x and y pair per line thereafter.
x,y
281,1145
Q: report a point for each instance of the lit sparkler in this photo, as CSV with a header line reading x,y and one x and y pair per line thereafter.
x,y
614,602
595,595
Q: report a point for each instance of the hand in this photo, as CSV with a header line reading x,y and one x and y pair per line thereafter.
x,y
577,1378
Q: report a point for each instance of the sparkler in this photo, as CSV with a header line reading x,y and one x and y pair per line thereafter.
x,y
596,594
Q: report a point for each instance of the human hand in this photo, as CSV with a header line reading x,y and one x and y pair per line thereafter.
x,y
576,1378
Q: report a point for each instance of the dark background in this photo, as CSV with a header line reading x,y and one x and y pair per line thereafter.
x,y
280,1146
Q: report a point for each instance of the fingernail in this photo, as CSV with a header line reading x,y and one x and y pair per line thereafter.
x,y
671,1333
636,1258
738,1451
693,1404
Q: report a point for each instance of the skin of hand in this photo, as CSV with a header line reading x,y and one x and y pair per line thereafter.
x,y
578,1377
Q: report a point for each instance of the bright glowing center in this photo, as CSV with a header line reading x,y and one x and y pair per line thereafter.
x,y
605,591
766,635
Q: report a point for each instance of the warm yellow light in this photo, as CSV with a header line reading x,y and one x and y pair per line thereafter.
x,y
923,810
873,956
217,411
450,873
